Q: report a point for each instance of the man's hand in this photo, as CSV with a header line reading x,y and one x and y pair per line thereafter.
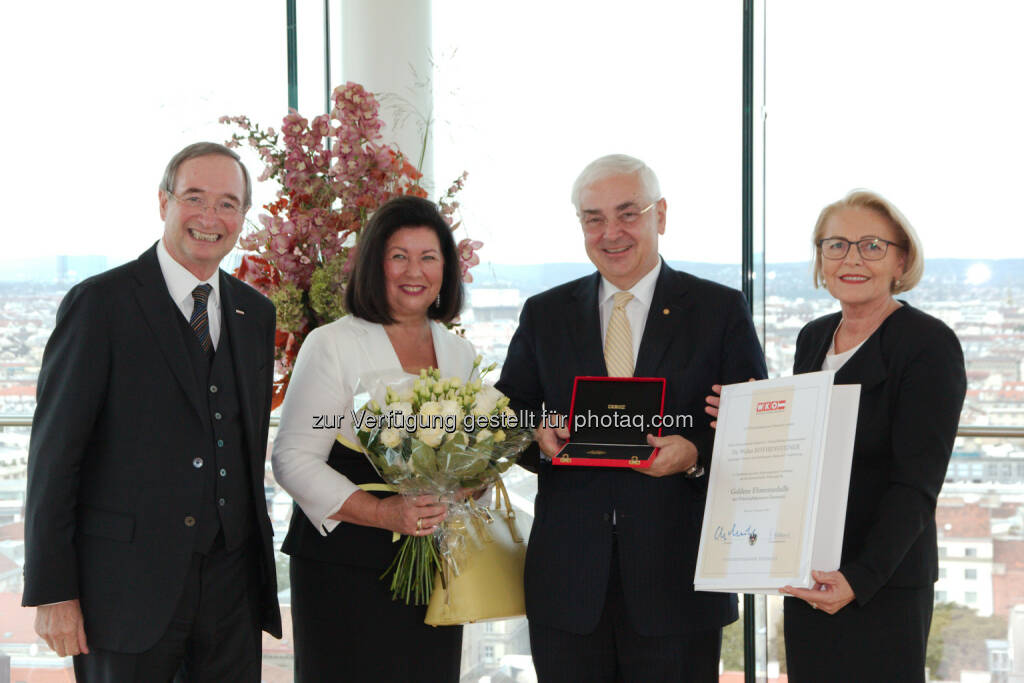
x,y
551,439
675,455
62,627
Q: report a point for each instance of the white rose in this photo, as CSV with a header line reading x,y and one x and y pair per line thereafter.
x,y
486,400
431,437
451,408
484,434
430,408
390,437
400,407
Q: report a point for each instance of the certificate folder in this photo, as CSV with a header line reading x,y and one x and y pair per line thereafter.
x,y
780,474
609,420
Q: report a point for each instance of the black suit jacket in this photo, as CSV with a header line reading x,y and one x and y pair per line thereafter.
x,y
911,372
117,423
697,334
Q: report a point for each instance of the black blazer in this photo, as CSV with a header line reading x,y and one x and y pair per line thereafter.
x,y
697,334
911,372
117,423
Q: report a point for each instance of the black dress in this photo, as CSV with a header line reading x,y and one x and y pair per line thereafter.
x,y
346,626
911,372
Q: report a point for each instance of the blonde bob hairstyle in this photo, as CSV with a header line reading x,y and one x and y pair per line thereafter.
x,y
906,236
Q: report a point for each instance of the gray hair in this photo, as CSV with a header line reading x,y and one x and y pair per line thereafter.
x,y
202,149
616,164
906,236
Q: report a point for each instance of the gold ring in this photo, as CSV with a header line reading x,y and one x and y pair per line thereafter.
x,y
419,524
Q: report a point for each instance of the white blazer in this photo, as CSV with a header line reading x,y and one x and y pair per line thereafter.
x,y
344,358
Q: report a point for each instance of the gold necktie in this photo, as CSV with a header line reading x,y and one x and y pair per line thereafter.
x,y
618,343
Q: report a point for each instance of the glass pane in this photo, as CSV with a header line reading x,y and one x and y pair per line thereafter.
x,y
917,101
99,99
661,82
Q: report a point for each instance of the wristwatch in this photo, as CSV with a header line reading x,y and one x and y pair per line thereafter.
x,y
694,472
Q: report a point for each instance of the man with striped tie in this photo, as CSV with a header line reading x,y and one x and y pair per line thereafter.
x,y
148,549
610,563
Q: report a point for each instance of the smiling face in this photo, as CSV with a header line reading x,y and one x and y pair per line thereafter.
x,y
853,280
198,238
620,237
413,271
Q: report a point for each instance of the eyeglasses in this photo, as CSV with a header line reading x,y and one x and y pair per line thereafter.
x,y
870,248
595,222
223,207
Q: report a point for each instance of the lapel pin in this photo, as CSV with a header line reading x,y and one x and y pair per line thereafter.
x,y
239,311
664,311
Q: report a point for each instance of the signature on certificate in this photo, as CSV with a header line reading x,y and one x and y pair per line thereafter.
x,y
734,532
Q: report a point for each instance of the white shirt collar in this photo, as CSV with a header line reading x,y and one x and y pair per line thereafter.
x,y
180,282
642,291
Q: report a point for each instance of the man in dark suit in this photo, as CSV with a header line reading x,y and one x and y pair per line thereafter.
x,y
610,564
148,544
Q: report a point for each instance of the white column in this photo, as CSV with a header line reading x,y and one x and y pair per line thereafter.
x,y
385,46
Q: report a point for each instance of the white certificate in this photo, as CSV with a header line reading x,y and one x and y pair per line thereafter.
x,y
780,474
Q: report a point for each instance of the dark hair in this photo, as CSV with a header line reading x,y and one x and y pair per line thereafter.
x,y
366,293
202,149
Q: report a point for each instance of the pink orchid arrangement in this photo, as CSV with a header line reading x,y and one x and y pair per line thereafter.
x,y
333,173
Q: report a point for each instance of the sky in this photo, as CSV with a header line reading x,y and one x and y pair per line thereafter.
x,y
918,100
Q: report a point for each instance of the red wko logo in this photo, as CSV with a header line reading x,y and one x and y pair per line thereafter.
x,y
770,406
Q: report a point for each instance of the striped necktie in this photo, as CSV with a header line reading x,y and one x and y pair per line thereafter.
x,y
199,322
618,343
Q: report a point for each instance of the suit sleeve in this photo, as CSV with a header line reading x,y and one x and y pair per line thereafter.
x,y
520,380
932,384
69,397
742,358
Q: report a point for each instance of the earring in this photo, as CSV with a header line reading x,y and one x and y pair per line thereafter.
x,y
437,301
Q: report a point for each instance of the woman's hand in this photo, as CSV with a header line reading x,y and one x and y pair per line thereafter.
x,y
417,516
831,592
713,402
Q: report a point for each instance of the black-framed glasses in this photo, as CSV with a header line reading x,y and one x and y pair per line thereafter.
x,y
224,207
870,248
596,222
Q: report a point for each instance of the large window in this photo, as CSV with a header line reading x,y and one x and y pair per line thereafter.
x,y
916,100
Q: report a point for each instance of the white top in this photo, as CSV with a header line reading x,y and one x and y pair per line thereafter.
x,y
834,361
180,283
336,362
636,309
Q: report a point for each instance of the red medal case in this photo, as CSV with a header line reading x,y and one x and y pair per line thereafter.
x,y
610,410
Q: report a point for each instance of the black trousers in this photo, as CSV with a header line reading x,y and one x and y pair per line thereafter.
x,y
616,653
214,634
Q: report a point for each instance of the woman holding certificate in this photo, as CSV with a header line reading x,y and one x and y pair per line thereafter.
x,y
869,620
405,284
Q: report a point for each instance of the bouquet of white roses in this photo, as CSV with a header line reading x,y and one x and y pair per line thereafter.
x,y
439,436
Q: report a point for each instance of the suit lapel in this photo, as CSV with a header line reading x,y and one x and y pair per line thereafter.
x,y
819,346
586,327
662,326
159,311
242,335
865,367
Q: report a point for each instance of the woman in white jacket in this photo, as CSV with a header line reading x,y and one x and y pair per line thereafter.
x,y
405,284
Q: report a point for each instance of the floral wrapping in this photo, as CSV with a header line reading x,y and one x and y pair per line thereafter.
x,y
444,437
